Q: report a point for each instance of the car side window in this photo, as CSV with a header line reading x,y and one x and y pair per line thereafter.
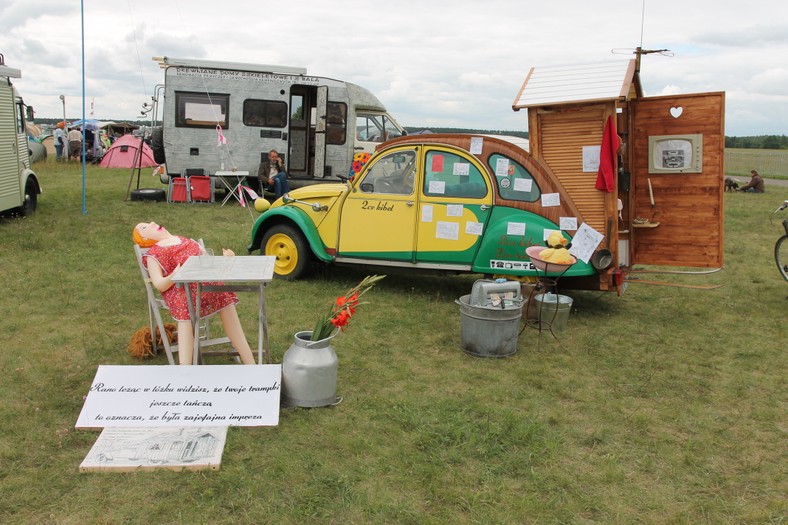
x,y
514,181
447,174
393,174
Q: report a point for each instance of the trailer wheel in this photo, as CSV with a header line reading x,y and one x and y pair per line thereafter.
x,y
290,249
31,199
148,194
157,145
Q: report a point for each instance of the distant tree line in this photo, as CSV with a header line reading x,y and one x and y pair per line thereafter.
x,y
409,129
54,121
758,142
522,134
754,142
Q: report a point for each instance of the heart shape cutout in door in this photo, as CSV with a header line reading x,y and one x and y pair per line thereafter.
x,y
676,112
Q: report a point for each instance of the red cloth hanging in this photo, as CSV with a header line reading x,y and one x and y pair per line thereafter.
x,y
607,157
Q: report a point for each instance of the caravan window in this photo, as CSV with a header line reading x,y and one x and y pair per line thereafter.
x,y
201,110
376,128
336,122
265,113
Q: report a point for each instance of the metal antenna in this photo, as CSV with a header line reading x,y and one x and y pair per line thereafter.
x,y
639,51
642,21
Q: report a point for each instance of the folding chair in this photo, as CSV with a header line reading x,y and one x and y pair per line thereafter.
x,y
200,188
178,189
156,305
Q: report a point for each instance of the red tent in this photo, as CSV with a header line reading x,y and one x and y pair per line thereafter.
x,y
125,153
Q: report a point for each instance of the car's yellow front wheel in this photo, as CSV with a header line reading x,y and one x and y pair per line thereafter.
x,y
290,249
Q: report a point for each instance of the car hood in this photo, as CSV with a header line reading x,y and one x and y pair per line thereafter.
x,y
315,192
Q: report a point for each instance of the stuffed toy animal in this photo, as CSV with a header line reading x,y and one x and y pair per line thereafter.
x,y
557,240
556,251
141,345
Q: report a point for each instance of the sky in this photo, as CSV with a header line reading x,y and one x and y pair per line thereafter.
x,y
433,63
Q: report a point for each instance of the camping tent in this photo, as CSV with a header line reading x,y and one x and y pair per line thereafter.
x,y
124,153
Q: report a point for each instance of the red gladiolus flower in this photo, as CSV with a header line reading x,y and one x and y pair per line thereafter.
x,y
343,309
352,303
341,320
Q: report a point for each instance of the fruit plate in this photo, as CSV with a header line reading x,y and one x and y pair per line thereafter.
x,y
548,267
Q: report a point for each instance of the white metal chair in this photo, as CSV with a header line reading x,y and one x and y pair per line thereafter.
x,y
155,307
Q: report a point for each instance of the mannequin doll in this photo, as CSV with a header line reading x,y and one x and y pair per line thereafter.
x,y
166,253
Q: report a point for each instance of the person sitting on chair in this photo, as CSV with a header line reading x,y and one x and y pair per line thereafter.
x,y
272,175
278,183
166,254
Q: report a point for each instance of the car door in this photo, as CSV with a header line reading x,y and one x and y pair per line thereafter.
x,y
455,203
378,218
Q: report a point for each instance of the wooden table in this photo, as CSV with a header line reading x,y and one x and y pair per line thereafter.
x,y
256,271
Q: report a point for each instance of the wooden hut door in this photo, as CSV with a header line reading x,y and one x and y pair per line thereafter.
x,y
677,185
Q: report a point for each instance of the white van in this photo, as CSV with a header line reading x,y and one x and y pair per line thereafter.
x,y
221,116
19,187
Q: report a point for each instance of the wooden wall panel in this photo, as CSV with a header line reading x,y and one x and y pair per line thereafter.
x,y
688,206
561,137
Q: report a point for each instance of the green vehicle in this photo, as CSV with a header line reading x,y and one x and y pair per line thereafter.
x,y
427,203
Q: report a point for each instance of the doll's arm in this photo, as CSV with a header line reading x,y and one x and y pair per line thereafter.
x,y
157,277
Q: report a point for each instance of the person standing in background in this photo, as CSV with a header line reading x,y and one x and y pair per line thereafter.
x,y
75,143
61,145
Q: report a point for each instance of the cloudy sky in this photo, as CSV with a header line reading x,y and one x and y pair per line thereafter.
x,y
431,62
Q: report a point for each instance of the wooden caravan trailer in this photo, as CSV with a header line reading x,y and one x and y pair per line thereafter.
x,y
666,175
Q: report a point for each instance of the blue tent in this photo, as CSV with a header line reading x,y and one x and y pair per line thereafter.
x,y
90,124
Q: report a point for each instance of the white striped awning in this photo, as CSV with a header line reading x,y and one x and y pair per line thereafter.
x,y
576,83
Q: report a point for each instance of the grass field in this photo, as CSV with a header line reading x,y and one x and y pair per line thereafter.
x,y
769,163
663,406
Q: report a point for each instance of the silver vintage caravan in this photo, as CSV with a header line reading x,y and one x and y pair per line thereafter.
x,y
220,116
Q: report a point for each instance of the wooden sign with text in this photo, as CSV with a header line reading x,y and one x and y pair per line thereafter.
x,y
183,396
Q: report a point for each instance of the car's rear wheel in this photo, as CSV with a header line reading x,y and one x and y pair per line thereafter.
x,y
290,249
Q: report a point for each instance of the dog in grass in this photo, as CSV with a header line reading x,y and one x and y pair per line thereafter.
x,y
731,184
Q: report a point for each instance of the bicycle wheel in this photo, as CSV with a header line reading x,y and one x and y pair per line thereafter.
x,y
781,256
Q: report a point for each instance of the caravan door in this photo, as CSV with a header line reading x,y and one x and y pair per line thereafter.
x,y
297,133
677,173
301,131
320,132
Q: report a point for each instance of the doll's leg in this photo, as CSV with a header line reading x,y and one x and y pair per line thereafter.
x,y
234,330
185,342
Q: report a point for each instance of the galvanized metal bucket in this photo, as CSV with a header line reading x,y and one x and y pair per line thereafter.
x,y
309,372
553,311
489,331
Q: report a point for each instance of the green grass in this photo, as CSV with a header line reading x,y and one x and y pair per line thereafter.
x,y
770,163
664,405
